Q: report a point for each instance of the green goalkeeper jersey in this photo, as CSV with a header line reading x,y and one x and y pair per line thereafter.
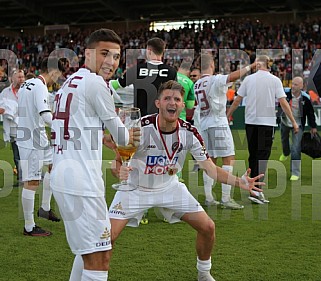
x,y
189,96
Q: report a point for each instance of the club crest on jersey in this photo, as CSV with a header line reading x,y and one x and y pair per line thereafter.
x,y
177,146
159,165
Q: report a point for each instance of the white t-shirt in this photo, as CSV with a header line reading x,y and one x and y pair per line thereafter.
x,y
81,105
210,92
261,90
32,101
151,162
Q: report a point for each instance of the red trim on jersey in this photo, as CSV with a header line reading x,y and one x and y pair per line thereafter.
x,y
43,80
170,157
191,128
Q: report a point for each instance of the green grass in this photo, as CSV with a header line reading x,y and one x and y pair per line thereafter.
x,y
279,241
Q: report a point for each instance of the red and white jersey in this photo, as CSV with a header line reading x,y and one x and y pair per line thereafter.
x,y
32,101
210,92
160,153
80,107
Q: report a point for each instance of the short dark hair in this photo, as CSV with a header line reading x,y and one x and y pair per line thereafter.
x,y
30,75
102,35
196,69
170,85
157,45
51,63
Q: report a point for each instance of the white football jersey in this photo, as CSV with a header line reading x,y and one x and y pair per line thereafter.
x,y
80,105
210,92
32,101
155,159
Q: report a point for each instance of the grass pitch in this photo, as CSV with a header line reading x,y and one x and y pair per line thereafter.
x,y
279,241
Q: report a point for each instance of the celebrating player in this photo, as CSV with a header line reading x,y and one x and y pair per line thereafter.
x,y
82,105
161,154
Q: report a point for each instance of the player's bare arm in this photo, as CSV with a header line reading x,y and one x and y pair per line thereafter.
x,y
222,176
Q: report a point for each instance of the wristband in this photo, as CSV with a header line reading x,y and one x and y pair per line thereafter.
x,y
248,68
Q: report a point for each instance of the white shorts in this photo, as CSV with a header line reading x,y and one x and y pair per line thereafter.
x,y
86,222
219,141
173,202
32,162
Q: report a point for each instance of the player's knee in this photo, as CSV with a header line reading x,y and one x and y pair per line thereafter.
x,y
208,228
97,261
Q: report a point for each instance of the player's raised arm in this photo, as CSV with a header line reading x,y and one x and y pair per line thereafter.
x,y
217,173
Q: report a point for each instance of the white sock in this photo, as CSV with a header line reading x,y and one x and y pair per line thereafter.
x,y
204,266
92,275
28,204
77,268
208,185
46,192
226,188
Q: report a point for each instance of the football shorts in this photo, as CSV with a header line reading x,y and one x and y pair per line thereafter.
x,y
32,162
86,222
173,202
218,141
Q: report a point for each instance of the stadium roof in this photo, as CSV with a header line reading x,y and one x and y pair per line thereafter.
x,y
24,13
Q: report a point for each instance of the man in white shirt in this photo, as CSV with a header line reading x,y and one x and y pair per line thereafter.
x,y
9,109
261,89
83,105
153,176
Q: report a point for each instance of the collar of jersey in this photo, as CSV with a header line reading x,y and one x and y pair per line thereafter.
x,y
155,62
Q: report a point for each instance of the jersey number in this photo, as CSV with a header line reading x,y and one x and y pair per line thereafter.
x,y
202,100
63,115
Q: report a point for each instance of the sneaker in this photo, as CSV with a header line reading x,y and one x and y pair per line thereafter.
x,y
211,203
144,221
283,158
36,231
231,205
205,276
48,215
258,198
294,178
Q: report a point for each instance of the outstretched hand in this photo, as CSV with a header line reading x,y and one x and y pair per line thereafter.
x,y
250,184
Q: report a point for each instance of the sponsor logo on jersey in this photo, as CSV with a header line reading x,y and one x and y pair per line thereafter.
x,y
159,165
151,146
153,72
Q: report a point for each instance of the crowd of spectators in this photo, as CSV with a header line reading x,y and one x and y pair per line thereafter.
x,y
293,45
